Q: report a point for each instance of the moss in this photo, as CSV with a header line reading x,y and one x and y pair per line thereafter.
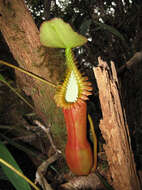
x,y
54,117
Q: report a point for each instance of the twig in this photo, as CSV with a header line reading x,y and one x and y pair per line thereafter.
x,y
137,58
28,73
47,131
42,169
27,138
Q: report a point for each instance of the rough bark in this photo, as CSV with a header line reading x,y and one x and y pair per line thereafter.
x,y
22,37
115,130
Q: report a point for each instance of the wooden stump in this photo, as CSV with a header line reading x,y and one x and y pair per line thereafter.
x,y
115,130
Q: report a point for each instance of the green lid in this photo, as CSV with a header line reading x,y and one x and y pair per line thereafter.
x,y
58,34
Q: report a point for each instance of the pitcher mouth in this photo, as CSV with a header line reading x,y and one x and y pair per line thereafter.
x,y
75,88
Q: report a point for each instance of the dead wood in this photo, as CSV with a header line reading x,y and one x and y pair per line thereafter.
x,y
91,182
115,130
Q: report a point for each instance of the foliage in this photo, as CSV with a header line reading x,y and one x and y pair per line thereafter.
x,y
16,180
112,27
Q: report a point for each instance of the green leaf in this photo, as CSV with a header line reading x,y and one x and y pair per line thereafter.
x,y
2,175
18,182
2,78
111,29
30,151
58,34
85,26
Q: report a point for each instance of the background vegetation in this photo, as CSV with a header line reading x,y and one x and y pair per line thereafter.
x,y
114,32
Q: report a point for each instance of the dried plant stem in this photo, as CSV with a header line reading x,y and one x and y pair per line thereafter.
x,y
47,131
28,73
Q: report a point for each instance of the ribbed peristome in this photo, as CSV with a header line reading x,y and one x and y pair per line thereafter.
x,y
80,86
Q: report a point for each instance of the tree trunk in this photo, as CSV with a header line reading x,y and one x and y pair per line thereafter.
x,y
115,130
22,37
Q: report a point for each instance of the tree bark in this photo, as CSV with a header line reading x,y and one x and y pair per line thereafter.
x,y
115,130
22,37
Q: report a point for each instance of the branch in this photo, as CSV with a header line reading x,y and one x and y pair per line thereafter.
x,y
47,131
42,169
137,58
